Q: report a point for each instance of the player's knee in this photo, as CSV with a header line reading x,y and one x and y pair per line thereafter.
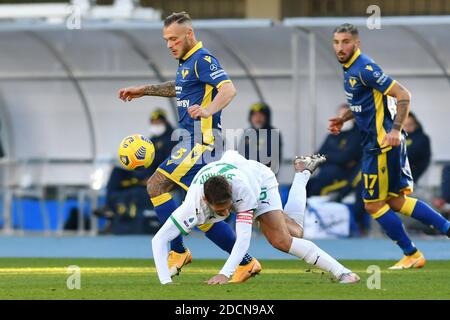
x,y
295,230
157,185
282,243
151,190
397,203
395,206
374,207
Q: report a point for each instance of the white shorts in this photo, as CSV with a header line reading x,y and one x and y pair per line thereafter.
x,y
269,198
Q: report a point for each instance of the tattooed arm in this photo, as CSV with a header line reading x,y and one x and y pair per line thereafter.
x,y
403,100
166,89
403,97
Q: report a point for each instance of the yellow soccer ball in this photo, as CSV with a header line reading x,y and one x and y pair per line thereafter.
x,y
136,152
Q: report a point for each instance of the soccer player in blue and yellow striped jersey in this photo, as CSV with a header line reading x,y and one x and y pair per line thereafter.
x,y
385,169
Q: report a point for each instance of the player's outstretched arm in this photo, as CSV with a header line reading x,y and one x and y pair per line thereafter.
x,y
224,95
160,245
166,89
335,124
243,236
403,96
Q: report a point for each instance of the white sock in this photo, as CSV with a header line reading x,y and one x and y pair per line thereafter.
x,y
312,254
296,203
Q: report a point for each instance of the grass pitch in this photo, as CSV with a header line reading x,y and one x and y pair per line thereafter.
x,y
37,278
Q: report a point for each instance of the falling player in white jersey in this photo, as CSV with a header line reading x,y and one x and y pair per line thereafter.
x,y
250,189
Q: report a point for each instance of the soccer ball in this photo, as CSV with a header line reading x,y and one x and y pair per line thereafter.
x,y
136,152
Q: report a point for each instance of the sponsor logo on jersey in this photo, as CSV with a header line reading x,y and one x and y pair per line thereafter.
x,y
382,79
217,74
356,108
183,103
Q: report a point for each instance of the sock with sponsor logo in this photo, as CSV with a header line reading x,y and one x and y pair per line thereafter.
x,y
312,254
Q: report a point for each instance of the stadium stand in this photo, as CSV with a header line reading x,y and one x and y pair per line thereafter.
x,y
70,121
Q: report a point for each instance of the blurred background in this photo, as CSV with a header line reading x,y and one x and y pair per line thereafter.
x,y
62,64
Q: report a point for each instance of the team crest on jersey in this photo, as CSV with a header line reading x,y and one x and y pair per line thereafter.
x,y
184,73
369,67
352,82
408,142
207,58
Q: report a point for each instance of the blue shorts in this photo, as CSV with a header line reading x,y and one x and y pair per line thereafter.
x,y
386,175
186,161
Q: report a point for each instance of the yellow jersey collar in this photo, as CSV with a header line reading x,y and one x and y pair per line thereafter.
x,y
352,59
198,46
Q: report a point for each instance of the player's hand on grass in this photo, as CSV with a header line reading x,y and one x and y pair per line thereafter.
x,y
130,93
393,138
218,279
197,111
335,125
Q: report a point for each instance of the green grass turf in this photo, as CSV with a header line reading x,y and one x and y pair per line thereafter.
x,y
280,279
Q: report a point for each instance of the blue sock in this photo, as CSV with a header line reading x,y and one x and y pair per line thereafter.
x,y
393,227
163,211
428,216
224,237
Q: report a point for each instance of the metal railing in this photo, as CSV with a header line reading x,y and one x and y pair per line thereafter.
x,y
30,179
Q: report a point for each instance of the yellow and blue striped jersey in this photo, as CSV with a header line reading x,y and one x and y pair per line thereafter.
x,y
366,87
199,76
